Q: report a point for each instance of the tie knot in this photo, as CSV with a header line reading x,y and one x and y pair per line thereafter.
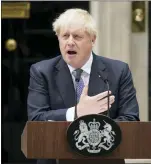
x,y
78,73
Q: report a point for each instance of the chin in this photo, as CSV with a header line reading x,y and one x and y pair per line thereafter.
x,y
73,64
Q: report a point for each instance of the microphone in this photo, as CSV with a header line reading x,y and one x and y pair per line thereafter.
x,y
77,79
104,78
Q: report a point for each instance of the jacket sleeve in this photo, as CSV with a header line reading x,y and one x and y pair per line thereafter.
x,y
38,104
128,109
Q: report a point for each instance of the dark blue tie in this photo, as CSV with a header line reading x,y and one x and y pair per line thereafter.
x,y
79,88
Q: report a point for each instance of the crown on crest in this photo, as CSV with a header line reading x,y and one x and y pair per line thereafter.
x,y
94,124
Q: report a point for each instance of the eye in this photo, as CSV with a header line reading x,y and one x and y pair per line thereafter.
x,y
77,37
65,35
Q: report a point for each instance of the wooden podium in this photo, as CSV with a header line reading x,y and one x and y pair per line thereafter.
x,y
47,140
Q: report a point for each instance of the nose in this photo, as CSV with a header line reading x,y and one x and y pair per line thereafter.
x,y
70,41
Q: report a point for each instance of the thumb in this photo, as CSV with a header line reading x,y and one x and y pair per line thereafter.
x,y
85,91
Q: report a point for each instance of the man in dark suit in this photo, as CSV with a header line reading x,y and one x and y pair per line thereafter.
x,y
52,82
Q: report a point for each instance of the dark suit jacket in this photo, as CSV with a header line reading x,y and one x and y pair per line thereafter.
x,y
51,89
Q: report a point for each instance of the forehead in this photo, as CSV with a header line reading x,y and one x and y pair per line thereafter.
x,y
73,28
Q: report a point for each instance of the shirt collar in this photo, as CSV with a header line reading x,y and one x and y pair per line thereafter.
x,y
86,67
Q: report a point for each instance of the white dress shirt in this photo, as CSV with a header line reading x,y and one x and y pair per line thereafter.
x,y
85,77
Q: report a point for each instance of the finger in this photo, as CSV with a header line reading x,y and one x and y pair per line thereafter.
x,y
105,100
103,109
101,95
112,101
106,106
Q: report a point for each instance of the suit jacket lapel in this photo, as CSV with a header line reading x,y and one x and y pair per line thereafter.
x,y
65,84
96,84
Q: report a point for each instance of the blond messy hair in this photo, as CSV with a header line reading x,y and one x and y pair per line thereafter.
x,y
75,16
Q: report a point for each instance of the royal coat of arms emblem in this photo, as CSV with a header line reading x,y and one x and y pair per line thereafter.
x,y
94,134
92,138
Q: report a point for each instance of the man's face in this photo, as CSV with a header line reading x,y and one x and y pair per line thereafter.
x,y
75,45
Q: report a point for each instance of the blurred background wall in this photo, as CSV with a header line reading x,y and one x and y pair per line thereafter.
x,y
27,38
119,40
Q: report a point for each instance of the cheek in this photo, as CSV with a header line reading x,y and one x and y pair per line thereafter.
x,y
87,46
62,45
86,43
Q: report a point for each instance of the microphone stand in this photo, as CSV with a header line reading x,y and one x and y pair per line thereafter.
x,y
76,101
108,97
108,89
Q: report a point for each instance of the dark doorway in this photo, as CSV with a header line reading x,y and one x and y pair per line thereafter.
x,y
35,42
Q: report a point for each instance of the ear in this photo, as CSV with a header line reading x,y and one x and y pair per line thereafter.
x,y
93,39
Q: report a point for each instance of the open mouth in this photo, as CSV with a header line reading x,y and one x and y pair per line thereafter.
x,y
72,52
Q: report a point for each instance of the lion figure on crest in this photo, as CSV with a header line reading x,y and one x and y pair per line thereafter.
x,y
83,135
